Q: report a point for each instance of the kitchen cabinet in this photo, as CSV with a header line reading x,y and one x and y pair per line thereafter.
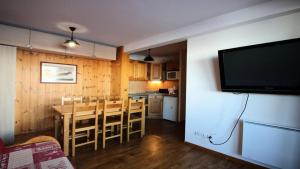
x,y
49,42
170,108
137,70
155,106
105,52
14,36
156,71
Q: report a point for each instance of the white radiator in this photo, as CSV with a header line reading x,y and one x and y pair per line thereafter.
x,y
274,145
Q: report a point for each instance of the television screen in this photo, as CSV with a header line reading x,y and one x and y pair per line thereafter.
x,y
266,68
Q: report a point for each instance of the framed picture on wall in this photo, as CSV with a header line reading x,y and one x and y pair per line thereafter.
x,y
58,73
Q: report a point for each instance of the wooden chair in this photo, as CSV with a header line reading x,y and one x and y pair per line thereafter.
x,y
112,117
101,100
136,114
67,100
82,111
70,100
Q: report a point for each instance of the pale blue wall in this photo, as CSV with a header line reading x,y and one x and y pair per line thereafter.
x,y
7,93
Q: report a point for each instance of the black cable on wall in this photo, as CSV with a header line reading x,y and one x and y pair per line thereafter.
x,y
244,109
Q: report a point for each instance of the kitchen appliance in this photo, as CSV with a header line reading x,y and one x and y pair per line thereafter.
x,y
172,75
164,91
155,107
170,106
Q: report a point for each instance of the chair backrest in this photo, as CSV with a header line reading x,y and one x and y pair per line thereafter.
x,y
93,98
114,97
65,100
102,98
113,107
136,105
83,111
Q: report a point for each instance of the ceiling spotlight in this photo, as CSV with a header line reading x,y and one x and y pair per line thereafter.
x,y
71,42
149,58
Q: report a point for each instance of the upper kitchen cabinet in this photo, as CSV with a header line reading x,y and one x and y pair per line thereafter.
x,y
20,37
137,70
54,43
105,52
14,36
46,41
156,71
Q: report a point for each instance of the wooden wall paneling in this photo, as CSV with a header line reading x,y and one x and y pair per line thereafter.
x,y
108,77
44,107
19,85
91,87
26,93
131,70
69,88
33,92
83,77
100,78
124,76
34,100
115,76
119,69
78,90
94,77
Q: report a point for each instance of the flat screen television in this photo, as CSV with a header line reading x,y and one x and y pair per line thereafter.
x,y
264,68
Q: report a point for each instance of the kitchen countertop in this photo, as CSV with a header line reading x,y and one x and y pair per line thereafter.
x,y
151,93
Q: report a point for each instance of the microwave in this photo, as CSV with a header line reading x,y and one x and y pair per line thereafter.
x,y
172,75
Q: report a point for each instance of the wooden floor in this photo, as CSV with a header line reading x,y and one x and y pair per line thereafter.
x,y
162,148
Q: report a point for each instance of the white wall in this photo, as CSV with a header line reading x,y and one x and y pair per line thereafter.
x,y
7,92
210,111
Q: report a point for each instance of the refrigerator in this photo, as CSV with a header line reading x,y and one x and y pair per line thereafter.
x,y
170,106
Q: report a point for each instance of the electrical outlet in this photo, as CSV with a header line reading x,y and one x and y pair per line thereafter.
x,y
196,133
205,135
201,135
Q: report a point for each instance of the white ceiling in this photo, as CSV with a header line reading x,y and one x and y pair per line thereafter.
x,y
115,22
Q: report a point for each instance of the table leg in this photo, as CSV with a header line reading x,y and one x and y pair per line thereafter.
x,y
66,134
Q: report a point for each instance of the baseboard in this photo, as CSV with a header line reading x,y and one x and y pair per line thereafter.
x,y
227,157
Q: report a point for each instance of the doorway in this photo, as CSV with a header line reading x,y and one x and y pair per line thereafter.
x,y
162,82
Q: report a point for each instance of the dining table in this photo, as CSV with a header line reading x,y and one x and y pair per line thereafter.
x,y
42,155
64,113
